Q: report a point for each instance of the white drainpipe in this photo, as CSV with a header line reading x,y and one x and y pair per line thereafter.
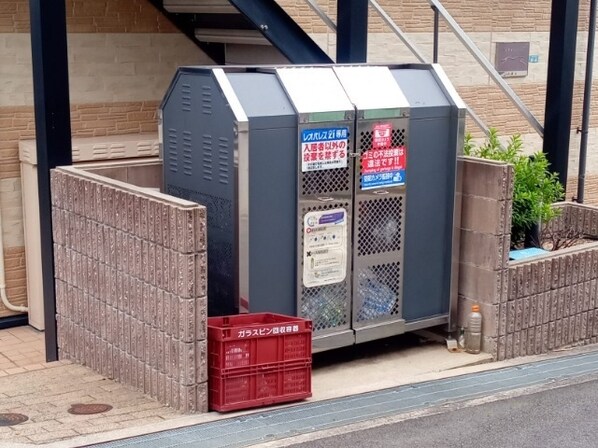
x,y
5,302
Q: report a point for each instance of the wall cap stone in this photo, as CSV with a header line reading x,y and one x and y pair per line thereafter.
x,y
151,194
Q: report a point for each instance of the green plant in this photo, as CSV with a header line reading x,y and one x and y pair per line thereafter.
x,y
535,187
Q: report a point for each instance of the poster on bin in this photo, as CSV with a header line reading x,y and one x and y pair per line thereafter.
x,y
384,164
324,149
324,247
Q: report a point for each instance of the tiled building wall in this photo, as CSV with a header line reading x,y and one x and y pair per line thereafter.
x,y
131,276
122,56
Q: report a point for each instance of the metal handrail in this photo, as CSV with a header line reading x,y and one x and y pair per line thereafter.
x,y
399,32
486,65
321,14
419,55
465,40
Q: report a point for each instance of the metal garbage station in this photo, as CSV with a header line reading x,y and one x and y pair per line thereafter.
x,y
330,192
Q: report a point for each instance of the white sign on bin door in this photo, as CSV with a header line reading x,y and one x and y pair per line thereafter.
x,y
324,247
324,149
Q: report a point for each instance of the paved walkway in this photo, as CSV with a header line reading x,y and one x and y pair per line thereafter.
x,y
44,393
21,350
45,396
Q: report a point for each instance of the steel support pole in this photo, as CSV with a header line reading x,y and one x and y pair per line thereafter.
x,y
53,133
559,85
587,98
436,33
352,31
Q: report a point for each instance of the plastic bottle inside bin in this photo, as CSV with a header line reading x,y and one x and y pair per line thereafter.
x,y
473,334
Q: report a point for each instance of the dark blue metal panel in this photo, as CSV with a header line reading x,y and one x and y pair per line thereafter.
x,y
198,156
282,31
273,219
53,133
559,87
432,155
352,31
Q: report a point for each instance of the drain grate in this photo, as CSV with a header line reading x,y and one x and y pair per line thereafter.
x,y
86,409
11,419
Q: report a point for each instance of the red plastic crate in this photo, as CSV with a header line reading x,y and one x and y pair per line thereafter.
x,y
258,359
259,386
249,340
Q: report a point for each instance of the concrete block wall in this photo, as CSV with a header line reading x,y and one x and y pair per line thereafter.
x,y
551,300
551,303
487,191
530,306
581,218
131,285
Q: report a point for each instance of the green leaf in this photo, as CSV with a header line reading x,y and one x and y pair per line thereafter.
x,y
535,187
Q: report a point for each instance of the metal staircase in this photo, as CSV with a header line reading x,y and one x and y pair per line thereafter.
x,y
243,31
260,31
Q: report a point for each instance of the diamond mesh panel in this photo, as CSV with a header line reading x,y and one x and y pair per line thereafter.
x,y
326,181
378,291
365,139
379,228
327,306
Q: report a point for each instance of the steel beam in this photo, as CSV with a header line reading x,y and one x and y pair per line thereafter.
x,y
559,85
282,31
187,24
53,133
352,31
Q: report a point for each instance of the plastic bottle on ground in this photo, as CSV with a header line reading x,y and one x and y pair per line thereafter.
x,y
461,339
473,334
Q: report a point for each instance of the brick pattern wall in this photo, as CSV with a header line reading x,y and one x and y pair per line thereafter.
x,y
581,218
16,281
495,108
485,240
590,189
131,274
92,16
415,16
122,55
87,120
551,302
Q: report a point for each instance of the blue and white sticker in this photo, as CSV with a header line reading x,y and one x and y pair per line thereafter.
x,y
324,148
324,247
387,179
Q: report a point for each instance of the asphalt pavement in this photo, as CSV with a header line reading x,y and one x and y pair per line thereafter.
x,y
563,417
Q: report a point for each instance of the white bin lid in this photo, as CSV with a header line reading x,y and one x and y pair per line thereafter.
x,y
314,90
371,88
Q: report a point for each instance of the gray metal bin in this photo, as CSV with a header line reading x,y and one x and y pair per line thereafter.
x,y
436,131
381,140
320,192
233,141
